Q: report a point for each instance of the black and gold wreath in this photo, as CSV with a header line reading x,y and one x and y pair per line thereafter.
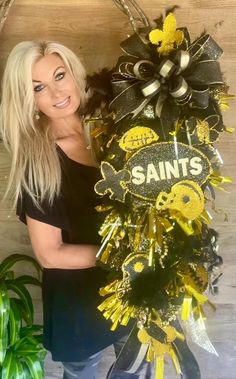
x,y
158,161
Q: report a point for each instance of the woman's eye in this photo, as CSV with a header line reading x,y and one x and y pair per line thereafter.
x,y
60,75
38,88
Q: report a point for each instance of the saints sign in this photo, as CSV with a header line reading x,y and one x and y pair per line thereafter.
x,y
159,166
168,173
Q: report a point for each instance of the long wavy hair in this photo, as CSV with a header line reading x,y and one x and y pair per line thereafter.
x,y
35,166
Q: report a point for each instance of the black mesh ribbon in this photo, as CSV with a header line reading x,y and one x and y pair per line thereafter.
x,y
133,354
183,78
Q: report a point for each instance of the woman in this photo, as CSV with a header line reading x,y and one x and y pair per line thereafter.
x,y
52,176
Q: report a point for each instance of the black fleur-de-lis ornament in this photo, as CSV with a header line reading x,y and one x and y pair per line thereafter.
x,y
113,182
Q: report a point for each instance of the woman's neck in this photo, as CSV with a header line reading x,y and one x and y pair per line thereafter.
x,y
66,127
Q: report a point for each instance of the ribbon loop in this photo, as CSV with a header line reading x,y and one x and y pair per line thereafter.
x,y
166,68
144,69
200,98
151,88
180,88
205,45
182,59
206,72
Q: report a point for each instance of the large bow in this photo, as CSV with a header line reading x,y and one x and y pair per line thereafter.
x,y
185,77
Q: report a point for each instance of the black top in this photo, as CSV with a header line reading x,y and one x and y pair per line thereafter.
x,y
73,327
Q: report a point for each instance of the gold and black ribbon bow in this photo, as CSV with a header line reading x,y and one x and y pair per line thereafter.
x,y
185,77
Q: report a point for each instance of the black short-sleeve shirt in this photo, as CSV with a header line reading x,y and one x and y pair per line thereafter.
x,y
73,327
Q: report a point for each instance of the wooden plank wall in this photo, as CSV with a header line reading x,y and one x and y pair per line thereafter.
x,y
93,29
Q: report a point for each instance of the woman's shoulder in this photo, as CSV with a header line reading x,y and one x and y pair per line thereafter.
x,y
73,150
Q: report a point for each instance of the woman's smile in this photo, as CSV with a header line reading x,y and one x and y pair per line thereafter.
x,y
63,103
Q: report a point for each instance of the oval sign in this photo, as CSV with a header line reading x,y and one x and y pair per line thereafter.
x,y
137,137
158,167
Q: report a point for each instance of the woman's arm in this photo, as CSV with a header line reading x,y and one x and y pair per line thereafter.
x,y
52,252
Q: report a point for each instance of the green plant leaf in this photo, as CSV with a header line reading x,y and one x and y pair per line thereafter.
x,y
27,346
39,338
9,275
31,330
3,347
8,262
24,296
8,366
23,311
4,317
28,279
19,369
27,374
14,324
34,366
16,370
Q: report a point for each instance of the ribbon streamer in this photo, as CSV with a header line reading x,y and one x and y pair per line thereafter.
x,y
188,364
197,331
130,357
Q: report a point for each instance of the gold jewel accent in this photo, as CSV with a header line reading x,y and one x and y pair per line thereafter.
x,y
138,267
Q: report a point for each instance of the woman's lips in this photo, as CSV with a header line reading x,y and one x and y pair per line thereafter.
x,y
63,104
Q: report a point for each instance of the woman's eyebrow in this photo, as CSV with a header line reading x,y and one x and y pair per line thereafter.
x,y
58,68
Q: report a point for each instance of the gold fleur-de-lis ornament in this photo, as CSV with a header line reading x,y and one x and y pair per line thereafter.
x,y
168,38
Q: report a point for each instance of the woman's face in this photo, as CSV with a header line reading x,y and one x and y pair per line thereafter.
x,y
56,92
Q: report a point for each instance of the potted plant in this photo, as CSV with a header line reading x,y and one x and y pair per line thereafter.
x,y
21,351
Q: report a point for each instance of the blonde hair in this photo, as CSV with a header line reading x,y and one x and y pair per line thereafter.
x,y
35,166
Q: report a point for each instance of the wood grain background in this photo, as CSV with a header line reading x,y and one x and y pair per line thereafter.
x,y
93,29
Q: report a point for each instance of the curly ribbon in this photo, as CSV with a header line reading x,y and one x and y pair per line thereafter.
x,y
185,77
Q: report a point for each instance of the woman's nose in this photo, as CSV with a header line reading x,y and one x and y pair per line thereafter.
x,y
55,90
